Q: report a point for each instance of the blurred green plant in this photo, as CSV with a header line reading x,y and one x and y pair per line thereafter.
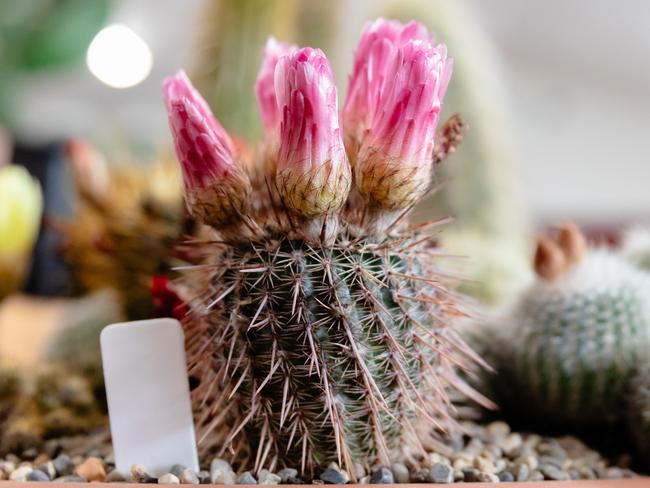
x,y
42,34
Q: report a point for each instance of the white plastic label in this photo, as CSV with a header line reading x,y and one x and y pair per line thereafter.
x,y
148,395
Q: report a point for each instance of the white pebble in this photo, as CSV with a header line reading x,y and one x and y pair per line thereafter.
x,y
168,479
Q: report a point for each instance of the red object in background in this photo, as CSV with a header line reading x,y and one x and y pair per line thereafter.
x,y
166,302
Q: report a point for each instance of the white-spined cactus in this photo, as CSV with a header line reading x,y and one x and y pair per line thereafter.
x,y
319,326
574,338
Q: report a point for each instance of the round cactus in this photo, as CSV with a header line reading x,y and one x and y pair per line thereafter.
x,y
318,329
575,336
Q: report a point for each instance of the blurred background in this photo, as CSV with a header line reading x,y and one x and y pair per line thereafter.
x,y
555,94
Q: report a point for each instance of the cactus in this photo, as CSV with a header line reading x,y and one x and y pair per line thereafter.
x,y
125,228
319,326
20,220
568,349
636,246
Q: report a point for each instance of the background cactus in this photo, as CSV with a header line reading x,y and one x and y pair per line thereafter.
x,y
21,206
319,327
128,219
569,347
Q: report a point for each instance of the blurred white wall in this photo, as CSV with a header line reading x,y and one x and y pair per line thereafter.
x,y
577,73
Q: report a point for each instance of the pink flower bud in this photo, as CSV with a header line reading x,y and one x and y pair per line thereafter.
x,y
313,174
216,186
398,124
378,45
265,85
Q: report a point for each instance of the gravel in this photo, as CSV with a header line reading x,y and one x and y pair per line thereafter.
x,y
487,453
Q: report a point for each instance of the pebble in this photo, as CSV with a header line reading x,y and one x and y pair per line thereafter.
x,y
63,465
441,473
139,474
265,477
536,476
246,478
420,476
204,477
488,478
21,473
506,477
221,472
188,477
92,469
552,472
522,473
333,476
471,474
37,475
510,443
48,468
169,479
497,430
177,470
400,473
71,478
382,476
287,473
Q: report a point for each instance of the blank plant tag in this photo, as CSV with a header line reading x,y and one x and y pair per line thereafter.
x,y
148,395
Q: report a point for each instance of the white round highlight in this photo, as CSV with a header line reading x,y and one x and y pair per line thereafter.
x,y
119,57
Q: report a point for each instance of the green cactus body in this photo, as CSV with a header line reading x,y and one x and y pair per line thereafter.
x,y
575,342
323,353
638,411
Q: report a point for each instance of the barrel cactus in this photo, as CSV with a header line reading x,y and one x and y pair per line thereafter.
x,y
319,327
576,336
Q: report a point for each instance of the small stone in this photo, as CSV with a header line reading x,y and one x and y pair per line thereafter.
x,y
221,472
420,476
294,480
488,478
188,477
359,470
71,478
522,472
114,477
204,477
177,470
333,476
458,476
614,473
92,469
400,473
6,467
37,475
510,443
246,478
536,476
497,430
530,461
21,473
139,474
462,463
552,472
287,473
382,476
484,465
441,473
63,465
265,477
506,476
168,479
48,468
471,475
365,480
29,454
